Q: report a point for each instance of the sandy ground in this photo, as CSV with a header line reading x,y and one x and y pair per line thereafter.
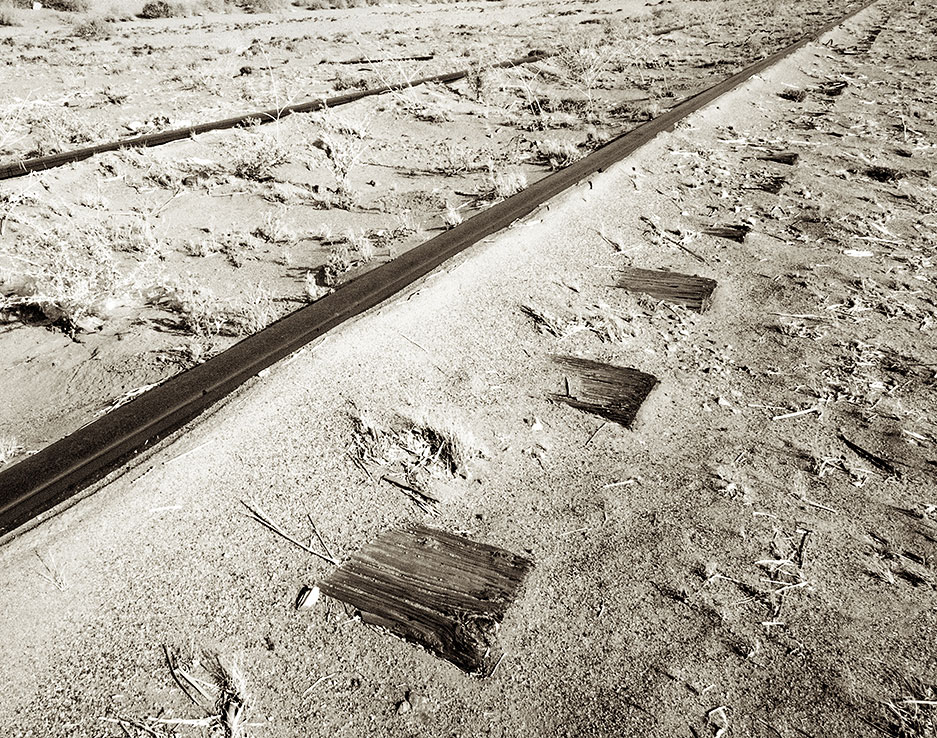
x,y
120,271
728,567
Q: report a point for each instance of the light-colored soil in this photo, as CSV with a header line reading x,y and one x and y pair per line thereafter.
x,y
155,260
728,567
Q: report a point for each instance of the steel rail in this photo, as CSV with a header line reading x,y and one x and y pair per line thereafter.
x,y
51,476
36,164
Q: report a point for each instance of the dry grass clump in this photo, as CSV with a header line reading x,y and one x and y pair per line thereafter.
x,y
501,184
72,276
352,81
337,4
256,156
57,128
274,229
8,16
556,153
418,448
583,63
235,245
452,217
342,147
914,714
142,168
9,449
95,28
216,685
206,316
162,9
608,324
346,252
68,6
264,6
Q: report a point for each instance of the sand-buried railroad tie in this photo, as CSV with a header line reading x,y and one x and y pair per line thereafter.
x,y
782,157
54,474
683,289
36,164
771,184
442,591
735,233
615,393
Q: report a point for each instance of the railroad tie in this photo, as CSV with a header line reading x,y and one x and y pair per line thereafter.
x,y
688,290
440,590
611,392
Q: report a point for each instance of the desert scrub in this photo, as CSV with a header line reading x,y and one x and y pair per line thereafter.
x,y
55,129
255,155
162,9
69,276
142,168
452,217
8,16
273,229
236,246
68,6
583,63
263,6
556,153
500,185
9,449
348,81
93,29
342,146
346,252
204,315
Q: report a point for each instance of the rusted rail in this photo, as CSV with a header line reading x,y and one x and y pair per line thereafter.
x,y
36,164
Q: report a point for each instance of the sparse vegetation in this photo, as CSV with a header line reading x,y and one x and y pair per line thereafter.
x,y
265,6
72,276
501,184
54,129
256,155
213,683
68,6
346,252
95,28
556,153
420,448
9,449
8,17
163,9
608,324
914,713
452,217
206,316
584,62
343,146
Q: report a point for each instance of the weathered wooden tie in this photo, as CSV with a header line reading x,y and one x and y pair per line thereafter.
x,y
735,233
782,157
440,590
771,183
611,392
683,289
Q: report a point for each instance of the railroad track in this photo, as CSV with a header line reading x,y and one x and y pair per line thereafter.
x,y
52,476
36,164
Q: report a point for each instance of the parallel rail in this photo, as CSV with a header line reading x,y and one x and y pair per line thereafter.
x,y
36,164
53,475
